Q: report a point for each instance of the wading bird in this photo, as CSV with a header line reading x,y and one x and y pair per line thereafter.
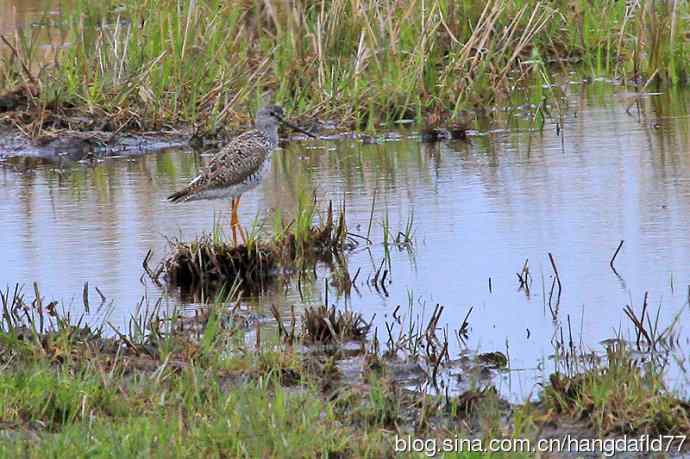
x,y
240,165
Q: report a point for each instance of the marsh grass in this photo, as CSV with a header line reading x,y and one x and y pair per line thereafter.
x,y
161,63
211,395
300,238
109,393
618,397
324,324
189,416
206,391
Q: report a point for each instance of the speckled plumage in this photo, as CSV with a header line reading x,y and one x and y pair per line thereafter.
x,y
240,165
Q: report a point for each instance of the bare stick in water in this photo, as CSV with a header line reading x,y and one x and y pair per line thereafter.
x,y
615,255
555,270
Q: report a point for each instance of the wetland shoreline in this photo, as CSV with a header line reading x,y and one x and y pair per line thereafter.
x,y
132,67
220,383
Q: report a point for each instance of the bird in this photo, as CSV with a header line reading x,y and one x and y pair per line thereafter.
x,y
240,165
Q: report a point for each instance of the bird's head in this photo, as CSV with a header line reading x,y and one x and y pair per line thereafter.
x,y
271,111
270,114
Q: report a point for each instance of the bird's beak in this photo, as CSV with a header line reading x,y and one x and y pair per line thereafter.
x,y
296,128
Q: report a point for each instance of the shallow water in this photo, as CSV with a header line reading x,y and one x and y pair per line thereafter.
x,y
480,209
41,17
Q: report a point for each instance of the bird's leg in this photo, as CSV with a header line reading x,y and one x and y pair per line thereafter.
x,y
233,219
243,233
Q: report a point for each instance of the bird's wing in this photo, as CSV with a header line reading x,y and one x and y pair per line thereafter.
x,y
238,160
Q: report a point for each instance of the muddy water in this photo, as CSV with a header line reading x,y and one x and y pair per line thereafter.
x,y
481,208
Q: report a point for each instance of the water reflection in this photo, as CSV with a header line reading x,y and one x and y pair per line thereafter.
x,y
18,14
480,209
37,19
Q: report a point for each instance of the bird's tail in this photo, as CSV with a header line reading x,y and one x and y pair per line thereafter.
x,y
180,196
186,192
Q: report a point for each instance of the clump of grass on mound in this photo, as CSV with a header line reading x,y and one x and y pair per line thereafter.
x,y
620,397
323,324
212,259
207,260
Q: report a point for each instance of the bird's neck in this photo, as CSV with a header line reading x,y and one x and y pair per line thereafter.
x,y
270,131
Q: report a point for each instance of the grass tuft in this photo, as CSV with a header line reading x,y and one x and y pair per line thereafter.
x,y
620,397
323,324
